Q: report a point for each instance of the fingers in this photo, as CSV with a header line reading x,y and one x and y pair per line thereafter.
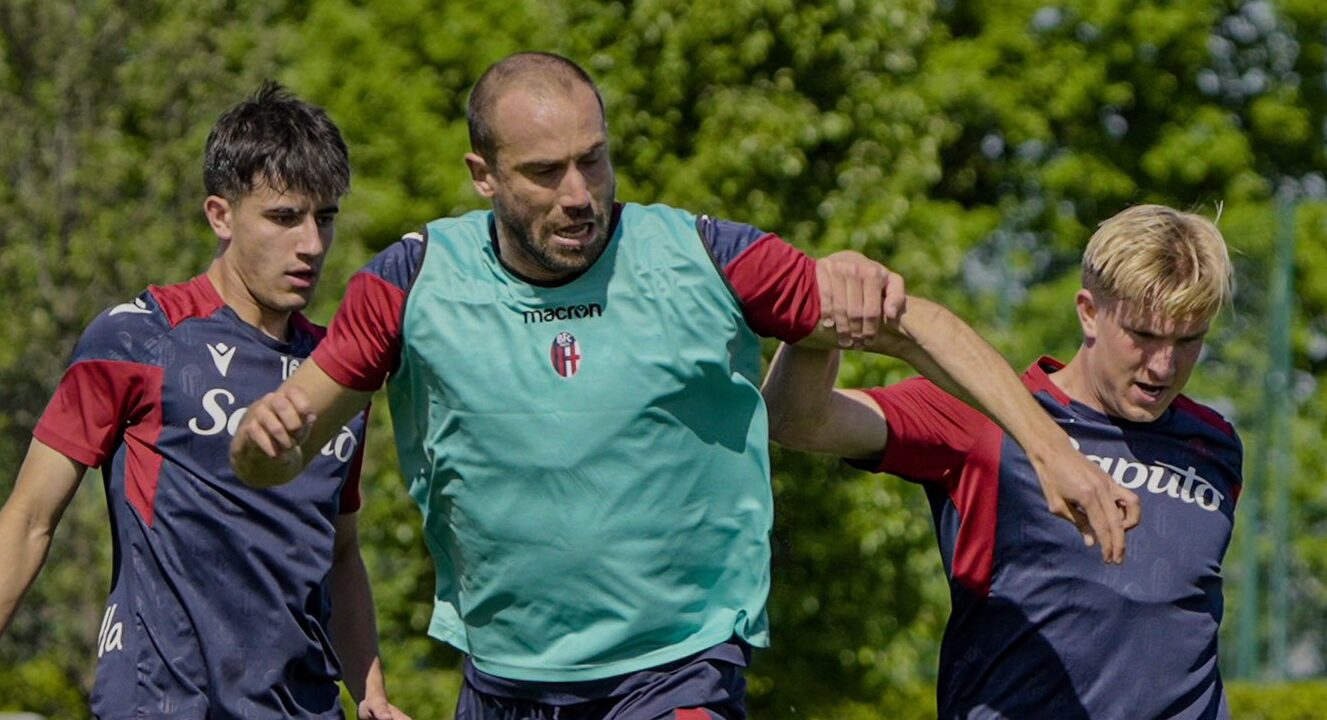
x,y
1098,527
380,710
825,284
1129,506
279,422
896,296
855,294
1083,524
1078,491
274,428
868,301
841,312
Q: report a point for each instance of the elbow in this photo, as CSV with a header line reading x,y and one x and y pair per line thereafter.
x,y
786,430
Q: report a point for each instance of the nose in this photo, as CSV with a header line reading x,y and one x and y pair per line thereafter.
x,y
1161,361
575,188
311,242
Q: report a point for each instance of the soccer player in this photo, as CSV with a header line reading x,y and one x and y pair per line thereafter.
x,y
1038,629
574,390
226,602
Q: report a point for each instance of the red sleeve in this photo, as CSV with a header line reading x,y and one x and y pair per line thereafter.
x,y
930,431
95,401
363,343
776,284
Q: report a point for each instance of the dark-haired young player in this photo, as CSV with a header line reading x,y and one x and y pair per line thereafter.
x,y
222,600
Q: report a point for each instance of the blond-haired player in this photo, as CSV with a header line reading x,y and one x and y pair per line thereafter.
x,y
1039,629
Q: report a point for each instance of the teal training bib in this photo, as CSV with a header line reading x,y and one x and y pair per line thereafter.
x,y
591,459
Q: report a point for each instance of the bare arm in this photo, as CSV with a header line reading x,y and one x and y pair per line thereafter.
x,y
355,626
951,354
45,485
283,430
807,413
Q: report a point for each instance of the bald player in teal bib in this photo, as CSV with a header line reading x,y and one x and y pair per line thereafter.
x,y
574,388
536,468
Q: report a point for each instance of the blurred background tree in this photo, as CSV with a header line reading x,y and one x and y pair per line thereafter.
x,y
971,146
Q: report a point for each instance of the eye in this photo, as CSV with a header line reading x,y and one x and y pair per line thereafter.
x,y
325,219
593,157
286,218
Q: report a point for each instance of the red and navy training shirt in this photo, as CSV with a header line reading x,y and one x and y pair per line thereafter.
x,y
1040,626
219,601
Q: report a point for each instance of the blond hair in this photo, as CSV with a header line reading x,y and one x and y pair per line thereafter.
x,y
1160,259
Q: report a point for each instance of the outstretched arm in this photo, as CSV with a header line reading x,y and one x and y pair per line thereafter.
x,y
45,485
951,354
283,430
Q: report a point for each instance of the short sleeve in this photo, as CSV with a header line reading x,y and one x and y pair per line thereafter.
x,y
363,343
775,283
930,431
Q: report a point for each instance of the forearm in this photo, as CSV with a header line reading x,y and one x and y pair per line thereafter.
x,y
25,546
45,484
285,429
355,628
952,355
797,392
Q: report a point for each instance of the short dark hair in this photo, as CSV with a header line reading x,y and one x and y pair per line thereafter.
x,y
540,67
275,139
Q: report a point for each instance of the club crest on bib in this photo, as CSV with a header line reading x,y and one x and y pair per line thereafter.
x,y
565,354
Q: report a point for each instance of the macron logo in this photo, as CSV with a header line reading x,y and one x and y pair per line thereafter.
x,y
138,307
221,355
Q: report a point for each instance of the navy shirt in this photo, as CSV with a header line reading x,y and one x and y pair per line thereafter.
x,y
1041,627
219,602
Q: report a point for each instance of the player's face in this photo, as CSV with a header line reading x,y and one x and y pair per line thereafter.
x,y
273,247
1138,359
551,182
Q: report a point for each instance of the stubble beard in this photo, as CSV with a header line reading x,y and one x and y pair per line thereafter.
x,y
545,255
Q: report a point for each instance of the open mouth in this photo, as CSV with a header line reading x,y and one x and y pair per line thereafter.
x,y
1152,391
574,236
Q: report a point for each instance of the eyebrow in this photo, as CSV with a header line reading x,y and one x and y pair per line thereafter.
x,y
1137,330
296,209
538,163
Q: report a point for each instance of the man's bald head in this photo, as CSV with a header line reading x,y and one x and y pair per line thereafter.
x,y
536,72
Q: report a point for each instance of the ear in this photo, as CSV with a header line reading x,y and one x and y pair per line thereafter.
x,y
481,175
219,216
1088,309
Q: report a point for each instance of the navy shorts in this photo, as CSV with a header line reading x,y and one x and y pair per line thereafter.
x,y
707,686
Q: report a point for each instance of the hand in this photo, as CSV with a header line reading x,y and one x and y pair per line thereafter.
x,y
855,292
379,709
1079,491
266,450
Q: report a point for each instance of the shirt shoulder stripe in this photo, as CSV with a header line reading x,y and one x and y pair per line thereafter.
x,y
726,240
1205,414
400,262
776,286
197,298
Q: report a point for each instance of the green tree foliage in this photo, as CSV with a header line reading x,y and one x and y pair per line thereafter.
x,y
106,108
972,146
